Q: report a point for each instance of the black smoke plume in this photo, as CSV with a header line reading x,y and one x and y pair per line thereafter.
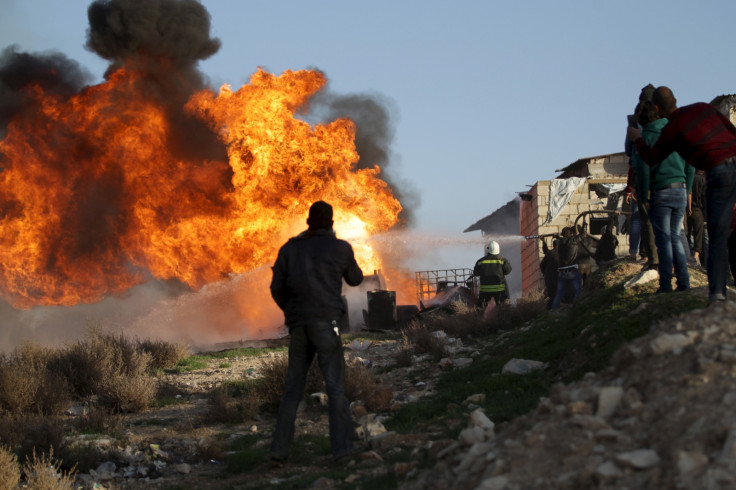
x,y
165,39
53,72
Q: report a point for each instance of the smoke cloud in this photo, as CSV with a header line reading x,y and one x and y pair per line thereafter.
x,y
53,72
374,118
178,30
164,39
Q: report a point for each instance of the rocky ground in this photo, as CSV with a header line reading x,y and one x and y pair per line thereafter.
x,y
661,416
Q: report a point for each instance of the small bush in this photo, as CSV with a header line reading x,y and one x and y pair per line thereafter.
x,y
210,449
9,470
44,473
230,407
110,367
424,341
27,433
403,356
270,388
359,381
28,384
164,355
99,420
508,316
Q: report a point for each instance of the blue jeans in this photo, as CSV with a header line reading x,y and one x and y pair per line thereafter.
x,y
567,278
667,210
634,228
720,196
317,337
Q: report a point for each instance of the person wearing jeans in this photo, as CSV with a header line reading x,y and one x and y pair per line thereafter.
x,y
720,198
668,207
706,139
307,285
320,338
669,182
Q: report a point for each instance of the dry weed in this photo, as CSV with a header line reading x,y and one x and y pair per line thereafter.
x,y
210,449
44,473
9,470
28,383
164,355
508,316
226,408
31,432
99,420
270,389
359,381
424,341
111,367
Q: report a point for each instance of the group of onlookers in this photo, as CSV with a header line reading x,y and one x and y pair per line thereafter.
x,y
682,193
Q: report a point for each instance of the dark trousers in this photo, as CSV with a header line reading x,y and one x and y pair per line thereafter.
x,y
647,236
320,338
720,196
499,297
732,253
696,229
567,279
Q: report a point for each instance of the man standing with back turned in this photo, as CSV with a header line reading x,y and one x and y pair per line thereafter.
x,y
706,139
307,286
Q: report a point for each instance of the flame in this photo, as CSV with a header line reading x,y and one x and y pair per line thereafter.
x,y
93,201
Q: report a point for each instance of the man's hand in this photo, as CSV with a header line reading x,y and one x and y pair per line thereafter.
x,y
633,133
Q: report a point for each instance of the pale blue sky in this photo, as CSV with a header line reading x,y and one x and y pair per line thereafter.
x,y
486,96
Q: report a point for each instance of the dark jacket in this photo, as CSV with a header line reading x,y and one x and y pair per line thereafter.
x,y
549,265
606,249
492,270
308,274
568,251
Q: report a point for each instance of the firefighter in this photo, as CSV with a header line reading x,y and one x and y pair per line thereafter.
x,y
492,270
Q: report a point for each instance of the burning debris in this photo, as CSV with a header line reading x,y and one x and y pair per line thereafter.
x,y
152,176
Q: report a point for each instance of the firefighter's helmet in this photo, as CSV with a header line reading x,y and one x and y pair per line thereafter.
x,y
493,248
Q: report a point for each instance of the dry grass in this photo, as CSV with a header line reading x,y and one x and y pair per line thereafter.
x,y
232,405
44,473
164,355
508,316
359,382
9,470
116,371
28,385
423,340
99,420
110,367
270,389
210,449
26,433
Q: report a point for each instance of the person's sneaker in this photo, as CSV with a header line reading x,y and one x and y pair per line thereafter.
x,y
682,288
663,291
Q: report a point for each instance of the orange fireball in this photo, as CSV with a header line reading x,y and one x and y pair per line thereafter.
x,y
94,201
